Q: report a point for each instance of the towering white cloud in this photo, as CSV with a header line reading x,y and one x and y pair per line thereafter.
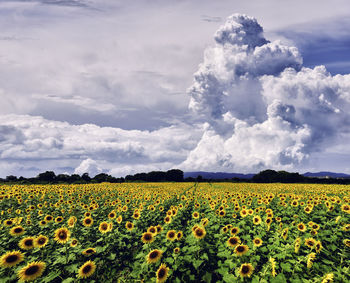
x,y
262,107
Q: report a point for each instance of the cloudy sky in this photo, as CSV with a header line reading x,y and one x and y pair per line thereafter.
x,y
130,86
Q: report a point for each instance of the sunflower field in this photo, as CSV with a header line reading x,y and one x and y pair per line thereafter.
x,y
175,232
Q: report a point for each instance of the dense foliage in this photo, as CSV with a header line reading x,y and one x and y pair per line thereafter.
x,y
176,232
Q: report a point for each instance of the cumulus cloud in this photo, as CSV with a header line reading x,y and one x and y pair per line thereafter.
x,y
88,166
263,108
35,141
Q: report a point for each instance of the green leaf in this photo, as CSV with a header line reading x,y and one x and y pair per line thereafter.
x,y
229,278
230,263
72,268
222,270
68,280
207,277
197,263
112,256
51,276
280,278
286,267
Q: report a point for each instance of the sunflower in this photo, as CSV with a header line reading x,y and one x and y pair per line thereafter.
x,y
162,273
112,215
256,220
268,220
31,271
301,227
310,258
176,250
199,233
222,213
147,237
318,246
154,256
71,221
179,235
297,245
234,231
285,233
62,235
104,227
257,242
205,221
89,251
310,242
345,208
159,228
48,218
195,215
42,223
171,235
167,219
246,270
8,222
346,242
152,229
243,213
87,269
17,231
59,219
74,242
241,250
88,221
10,259
26,243
129,226
224,229
119,219
328,278
41,241
233,241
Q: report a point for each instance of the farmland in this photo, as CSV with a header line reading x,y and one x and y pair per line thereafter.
x,y
175,232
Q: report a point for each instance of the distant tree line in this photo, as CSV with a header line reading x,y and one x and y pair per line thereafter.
x,y
173,175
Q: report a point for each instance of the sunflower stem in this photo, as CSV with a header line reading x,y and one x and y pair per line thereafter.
x,y
66,254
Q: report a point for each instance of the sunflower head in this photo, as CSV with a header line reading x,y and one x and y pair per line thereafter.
x,y
129,226
10,259
233,241
147,237
26,243
31,271
241,250
104,227
62,235
301,227
246,270
154,256
310,242
87,269
162,273
88,221
41,241
171,235
257,242
234,231
17,231
176,250
74,242
199,233
257,220
89,251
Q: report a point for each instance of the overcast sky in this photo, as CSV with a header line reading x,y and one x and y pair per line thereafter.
x,y
129,86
